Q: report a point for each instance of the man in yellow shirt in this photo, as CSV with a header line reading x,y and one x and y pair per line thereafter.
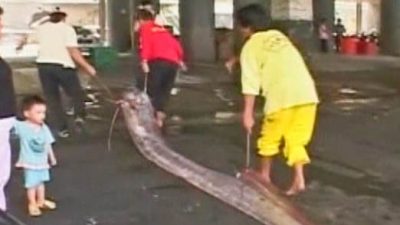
x,y
273,67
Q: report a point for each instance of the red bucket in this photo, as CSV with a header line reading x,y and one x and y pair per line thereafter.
x,y
349,45
367,48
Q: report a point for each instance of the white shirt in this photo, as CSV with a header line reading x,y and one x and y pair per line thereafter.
x,y
323,32
53,40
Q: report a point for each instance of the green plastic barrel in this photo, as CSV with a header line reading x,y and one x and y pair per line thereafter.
x,y
103,58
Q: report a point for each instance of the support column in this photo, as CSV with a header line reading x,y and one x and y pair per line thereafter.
x,y
324,9
198,30
120,24
359,17
295,18
390,27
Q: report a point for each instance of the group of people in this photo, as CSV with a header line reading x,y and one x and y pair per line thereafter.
x,y
325,34
270,63
57,62
290,93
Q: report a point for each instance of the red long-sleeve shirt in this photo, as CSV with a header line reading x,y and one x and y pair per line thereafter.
x,y
156,42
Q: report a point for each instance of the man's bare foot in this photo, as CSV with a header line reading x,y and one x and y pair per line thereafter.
x,y
265,176
259,176
296,188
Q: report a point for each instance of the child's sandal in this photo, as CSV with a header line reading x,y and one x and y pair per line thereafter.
x,y
34,211
49,205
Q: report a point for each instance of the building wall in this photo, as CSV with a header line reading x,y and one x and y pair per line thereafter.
x,y
78,14
370,15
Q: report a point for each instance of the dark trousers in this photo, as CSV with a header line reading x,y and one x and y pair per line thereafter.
x,y
324,45
7,93
160,82
338,43
52,77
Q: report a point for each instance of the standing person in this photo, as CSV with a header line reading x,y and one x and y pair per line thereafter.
x,y
161,55
7,114
340,30
324,35
272,65
58,55
35,153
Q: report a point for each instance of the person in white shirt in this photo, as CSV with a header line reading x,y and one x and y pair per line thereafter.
x,y
324,35
7,115
57,59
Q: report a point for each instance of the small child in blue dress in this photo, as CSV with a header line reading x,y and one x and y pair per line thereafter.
x,y
35,153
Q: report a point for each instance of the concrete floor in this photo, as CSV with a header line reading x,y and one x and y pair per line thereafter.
x,y
353,179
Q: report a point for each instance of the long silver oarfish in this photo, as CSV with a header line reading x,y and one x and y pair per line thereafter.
x,y
263,204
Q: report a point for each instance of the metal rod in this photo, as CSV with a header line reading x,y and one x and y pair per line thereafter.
x,y
248,148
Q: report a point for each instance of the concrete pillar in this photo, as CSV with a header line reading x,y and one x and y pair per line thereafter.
x,y
198,30
359,17
119,15
324,9
103,20
295,18
390,27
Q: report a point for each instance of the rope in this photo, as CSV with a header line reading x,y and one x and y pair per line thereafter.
x,y
111,99
146,77
110,132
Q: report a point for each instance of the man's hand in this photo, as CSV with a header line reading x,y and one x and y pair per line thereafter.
x,y
248,122
183,67
230,64
21,44
145,67
19,48
91,71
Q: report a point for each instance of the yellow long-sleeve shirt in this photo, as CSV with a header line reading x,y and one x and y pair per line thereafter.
x,y
273,65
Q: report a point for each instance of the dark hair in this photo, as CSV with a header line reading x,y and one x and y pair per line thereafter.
x,y
145,15
30,101
57,17
1,11
254,17
146,2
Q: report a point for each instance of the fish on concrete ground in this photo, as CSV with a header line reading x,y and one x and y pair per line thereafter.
x,y
265,206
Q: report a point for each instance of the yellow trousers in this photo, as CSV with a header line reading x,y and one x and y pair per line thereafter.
x,y
295,127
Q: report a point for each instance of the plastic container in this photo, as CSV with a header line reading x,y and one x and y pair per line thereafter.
x,y
366,47
349,45
103,58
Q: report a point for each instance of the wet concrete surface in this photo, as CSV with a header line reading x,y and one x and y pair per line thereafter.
x,y
353,179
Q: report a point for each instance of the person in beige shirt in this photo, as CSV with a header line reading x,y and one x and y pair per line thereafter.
x,y
57,60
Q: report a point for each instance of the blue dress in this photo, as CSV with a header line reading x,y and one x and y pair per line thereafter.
x,y
35,144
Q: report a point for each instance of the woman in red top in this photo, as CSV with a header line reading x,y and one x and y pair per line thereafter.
x,y
161,55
